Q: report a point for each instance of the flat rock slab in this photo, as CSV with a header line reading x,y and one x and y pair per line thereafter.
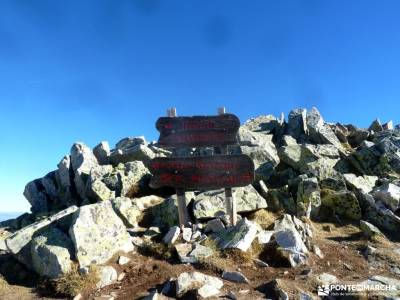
x,y
22,237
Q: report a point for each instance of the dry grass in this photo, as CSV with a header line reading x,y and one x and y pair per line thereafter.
x,y
73,283
157,250
264,218
3,284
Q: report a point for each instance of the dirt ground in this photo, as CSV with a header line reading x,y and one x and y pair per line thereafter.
x,y
342,247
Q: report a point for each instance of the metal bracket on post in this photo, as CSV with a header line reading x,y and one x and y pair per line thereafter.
x,y
180,193
230,202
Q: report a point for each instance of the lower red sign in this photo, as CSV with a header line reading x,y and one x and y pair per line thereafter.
x,y
198,172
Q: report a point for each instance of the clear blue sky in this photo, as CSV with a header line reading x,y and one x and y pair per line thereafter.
x,y
102,70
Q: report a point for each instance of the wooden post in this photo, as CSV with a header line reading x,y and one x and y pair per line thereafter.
x,y
230,202
180,193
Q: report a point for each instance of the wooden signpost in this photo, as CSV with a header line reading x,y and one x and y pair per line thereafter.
x,y
201,172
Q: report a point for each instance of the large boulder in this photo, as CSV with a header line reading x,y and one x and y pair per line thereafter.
x,y
52,253
320,132
389,194
82,162
102,153
131,149
293,238
343,203
297,123
378,214
210,204
35,194
308,197
98,233
261,149
65,182
381,159
314,160
96,189
363,183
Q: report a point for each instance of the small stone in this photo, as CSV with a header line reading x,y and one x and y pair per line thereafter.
x,y
369,230
326,278
261,263
208,290
195,280
234,277
172,235
214,226
318,252
121,276
187,234
107,275
347,266
123,260
78,297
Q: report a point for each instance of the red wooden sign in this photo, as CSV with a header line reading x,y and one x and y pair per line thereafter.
x,y
197,173
198,131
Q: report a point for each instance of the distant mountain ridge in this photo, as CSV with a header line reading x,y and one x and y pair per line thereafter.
x,y
9,215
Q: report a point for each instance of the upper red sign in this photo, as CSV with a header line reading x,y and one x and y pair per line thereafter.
x,y
198,131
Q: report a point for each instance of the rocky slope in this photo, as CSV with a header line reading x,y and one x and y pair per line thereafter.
x,y
318,186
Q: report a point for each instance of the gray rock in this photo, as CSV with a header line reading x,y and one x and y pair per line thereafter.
x,y
102,153
343,203
234,277
378,214
388,125
363,183
131,149
37,198
172,235
128,210
98,233
52,253
369,230
326,279
165,214
210,204
376,126
82,161
291,246
187,234
265,236
123,260
65,182
208,290
239,236
389,194
214,226
308,197
189,253
261,149
107,275
297,123
194,281
22,238
319,131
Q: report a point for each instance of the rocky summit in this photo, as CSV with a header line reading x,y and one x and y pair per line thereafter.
x,y
324,208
